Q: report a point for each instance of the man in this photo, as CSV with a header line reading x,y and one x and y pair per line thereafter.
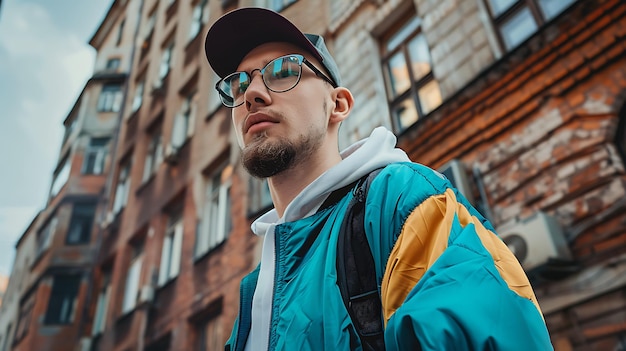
x,y
447,282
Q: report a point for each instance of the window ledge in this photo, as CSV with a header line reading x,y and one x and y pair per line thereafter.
x,y
125,316
145,184
165,285
204,255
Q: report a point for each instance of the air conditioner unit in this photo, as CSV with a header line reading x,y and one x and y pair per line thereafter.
x,y
457,175
170,154
535,240
146,294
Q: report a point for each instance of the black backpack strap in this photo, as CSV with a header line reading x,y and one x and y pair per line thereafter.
x,y
356,274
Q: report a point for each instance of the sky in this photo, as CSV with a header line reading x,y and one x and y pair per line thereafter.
x,y
45,61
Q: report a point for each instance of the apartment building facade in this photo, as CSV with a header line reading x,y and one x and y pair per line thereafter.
x,y
519,102
47,299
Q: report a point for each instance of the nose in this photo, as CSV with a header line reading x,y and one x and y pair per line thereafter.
x,y
257,93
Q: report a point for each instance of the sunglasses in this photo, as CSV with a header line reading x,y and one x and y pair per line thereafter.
x,y
279,75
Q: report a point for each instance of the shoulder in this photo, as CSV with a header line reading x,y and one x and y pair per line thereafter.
x,y
407,181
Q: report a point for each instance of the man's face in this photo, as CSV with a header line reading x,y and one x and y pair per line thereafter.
x,y
278,131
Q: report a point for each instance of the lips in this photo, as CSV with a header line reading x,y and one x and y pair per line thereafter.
x,y
257,119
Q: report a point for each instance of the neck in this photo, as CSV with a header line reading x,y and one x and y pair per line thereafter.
x,y
286,185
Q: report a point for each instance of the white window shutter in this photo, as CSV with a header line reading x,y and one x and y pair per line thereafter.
x,y
178,131
132,285
191,124
165,260
177,246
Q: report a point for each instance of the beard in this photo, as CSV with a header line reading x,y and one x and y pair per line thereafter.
x,y
265,157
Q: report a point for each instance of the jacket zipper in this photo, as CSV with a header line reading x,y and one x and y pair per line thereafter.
x,y
276,246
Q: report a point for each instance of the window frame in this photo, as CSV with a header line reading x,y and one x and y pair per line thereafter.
x,y
120,32
61,176
44,236
280,5
184,121
113,64
138,96
130,298
199,17
68,290
98,149
395,100
102,305
537,12
217,204
24,319
209,328
122,187
154,154
83,216
166,63
259,196
110,98
171,251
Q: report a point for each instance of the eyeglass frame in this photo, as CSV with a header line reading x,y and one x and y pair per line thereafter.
x,y
301,60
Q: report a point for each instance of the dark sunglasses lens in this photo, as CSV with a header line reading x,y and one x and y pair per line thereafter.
x,y
283,73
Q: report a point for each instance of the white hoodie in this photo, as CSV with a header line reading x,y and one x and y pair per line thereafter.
x,y
359,159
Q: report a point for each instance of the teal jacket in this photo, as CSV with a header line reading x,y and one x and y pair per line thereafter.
x,y
447,282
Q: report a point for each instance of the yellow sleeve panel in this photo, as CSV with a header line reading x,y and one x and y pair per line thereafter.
x,y
424,238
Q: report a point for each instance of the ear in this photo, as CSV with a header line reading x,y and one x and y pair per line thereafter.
x,y
344,101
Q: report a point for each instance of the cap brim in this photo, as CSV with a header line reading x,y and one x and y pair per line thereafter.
x,y
236,33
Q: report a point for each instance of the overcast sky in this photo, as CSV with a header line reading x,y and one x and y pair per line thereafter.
x,y
45,60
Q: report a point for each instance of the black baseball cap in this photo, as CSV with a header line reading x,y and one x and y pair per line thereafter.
x,y
236,33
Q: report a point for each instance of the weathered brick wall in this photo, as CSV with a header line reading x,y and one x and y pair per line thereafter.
x,y
540,130
458,41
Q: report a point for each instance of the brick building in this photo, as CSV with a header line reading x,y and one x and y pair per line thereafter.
x,y
520,102
48,296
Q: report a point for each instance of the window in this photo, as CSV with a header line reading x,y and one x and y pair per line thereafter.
x,y
110,98
102,304
23,323
61,176
131,288
120,32
412,90
171,251
214,101
70,126
44,236
259,195
199,17
209,335
122,188
154,155
138,98
516,20
62,299
279,5
81,224
95,156
113,64
149,28
216,221
166,63
184,122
